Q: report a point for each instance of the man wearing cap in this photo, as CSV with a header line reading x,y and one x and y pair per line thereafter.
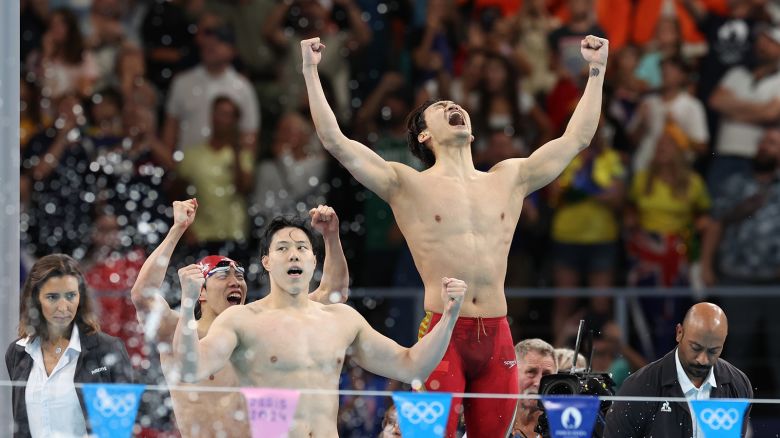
x,y
188,109
693,370
218,413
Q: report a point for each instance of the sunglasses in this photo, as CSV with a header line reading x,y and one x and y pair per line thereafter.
x,y
224,266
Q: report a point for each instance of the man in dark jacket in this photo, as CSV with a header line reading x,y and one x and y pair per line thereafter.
x,y
693,371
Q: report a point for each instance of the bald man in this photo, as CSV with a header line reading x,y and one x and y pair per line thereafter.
x,y
693,370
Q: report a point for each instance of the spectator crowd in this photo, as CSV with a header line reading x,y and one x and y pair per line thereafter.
x,y
127,105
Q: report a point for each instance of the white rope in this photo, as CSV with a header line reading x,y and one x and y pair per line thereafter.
x,y
351,392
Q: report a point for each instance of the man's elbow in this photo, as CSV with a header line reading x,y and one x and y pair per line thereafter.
x,y
330,139
577,139
137,297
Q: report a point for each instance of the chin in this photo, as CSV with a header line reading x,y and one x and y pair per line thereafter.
x,y
295,289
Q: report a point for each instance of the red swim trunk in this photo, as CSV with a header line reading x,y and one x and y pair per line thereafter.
x,y
480,358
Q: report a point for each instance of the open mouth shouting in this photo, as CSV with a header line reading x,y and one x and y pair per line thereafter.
x,y
295,272
456,118
234,298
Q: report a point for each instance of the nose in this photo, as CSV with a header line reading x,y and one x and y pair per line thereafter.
x,y
62,306
702,359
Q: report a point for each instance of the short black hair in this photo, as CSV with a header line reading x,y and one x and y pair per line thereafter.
x,y
224,98
279,223
415,124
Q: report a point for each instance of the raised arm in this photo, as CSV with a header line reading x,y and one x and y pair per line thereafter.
x,y
200,359
145,293
335,273
365,165
547,162
382,356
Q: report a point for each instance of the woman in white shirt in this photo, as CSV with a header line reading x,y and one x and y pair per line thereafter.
x,y
60,344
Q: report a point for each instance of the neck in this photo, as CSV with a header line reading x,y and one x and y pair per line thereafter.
x,y
220,141
669,93
697,382
581,23
207,316
279,298
456,160
54,334
215,69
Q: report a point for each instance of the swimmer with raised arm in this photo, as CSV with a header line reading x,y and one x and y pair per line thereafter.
x,y
451,209
215,414
286,340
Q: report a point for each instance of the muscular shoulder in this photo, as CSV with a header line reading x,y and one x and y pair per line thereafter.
x,y
344,313
339,310
235,315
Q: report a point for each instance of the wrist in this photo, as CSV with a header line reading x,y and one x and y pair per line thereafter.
x,y
188,306
177,231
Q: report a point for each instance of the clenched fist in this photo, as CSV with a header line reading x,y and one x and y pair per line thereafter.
x,y
184,212
452,293
324,220
311,51
192,280
595,50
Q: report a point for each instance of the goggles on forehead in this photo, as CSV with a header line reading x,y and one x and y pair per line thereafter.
x,y
224,266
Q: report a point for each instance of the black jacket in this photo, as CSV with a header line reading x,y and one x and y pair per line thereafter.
x,y
103,359
667,420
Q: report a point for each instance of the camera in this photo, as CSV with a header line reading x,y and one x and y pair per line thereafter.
x,y
577,382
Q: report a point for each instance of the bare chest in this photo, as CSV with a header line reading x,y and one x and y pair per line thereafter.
x,y
293,344
446,206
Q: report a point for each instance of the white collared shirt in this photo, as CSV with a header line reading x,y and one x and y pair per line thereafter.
x,y
693,393
53,408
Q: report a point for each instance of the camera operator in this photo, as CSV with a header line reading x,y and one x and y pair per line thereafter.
x,y
693,370
535,359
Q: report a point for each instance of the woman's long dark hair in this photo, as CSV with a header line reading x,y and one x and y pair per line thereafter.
x,y
510,92
72,49
31,321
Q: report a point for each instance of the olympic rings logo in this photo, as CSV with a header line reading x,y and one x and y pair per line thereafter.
x,y
114,406
719,418
422,412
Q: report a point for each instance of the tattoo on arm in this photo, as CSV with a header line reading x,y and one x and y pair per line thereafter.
x,y
594,71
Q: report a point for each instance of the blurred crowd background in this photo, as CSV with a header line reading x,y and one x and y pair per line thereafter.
x,y
127,105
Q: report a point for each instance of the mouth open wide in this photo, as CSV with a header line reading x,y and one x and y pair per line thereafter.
x,y
456,119
295,272
234,298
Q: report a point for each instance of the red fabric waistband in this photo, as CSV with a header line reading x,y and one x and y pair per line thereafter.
x,y
472,320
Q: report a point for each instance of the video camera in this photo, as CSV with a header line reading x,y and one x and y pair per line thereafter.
x,y
577,382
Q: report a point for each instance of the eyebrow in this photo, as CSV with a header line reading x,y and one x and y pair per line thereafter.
x,y
287,242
